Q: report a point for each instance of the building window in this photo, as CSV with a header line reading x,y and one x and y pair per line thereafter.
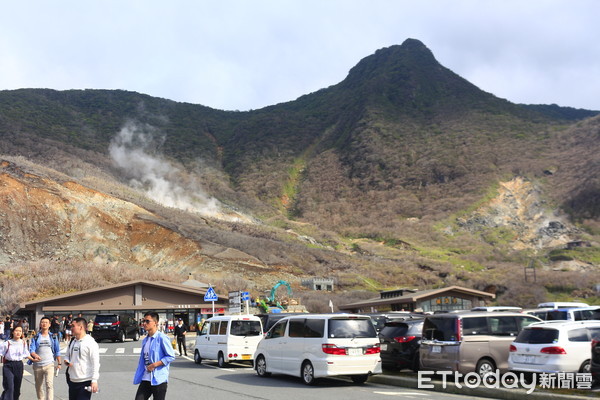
x,y
445,303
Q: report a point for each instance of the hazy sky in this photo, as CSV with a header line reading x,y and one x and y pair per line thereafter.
x,y
247,54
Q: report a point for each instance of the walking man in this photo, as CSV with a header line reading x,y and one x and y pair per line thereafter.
x,y
44,348
179,332
83,359
152,373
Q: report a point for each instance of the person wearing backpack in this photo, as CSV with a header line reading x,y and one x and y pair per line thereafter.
x,y
45,350
13,352
7,327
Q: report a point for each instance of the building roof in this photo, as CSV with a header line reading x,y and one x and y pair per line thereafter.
x,y
159,284
415,296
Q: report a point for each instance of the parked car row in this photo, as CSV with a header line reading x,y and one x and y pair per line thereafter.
x,y
311,346
567,313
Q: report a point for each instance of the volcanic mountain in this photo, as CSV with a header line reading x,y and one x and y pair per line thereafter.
x,y
403,174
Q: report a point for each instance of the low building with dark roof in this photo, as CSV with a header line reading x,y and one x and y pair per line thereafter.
x,y
431,300
170,300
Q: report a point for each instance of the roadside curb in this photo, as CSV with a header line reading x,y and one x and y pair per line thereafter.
x,y
494,393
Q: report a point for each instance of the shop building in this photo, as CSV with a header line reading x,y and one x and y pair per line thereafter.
x,y
170,300
444,299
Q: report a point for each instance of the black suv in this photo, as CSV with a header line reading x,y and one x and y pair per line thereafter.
x,y
595,359
400,341
115,327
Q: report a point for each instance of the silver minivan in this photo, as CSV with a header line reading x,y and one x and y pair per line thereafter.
x,y
470,341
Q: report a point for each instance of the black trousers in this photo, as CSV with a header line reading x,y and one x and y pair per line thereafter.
x,y
12,377
145,390
181,341
77,389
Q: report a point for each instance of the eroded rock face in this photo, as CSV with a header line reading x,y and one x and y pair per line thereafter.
x,y
43,218
519,207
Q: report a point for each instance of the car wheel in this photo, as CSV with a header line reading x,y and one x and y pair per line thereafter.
x,y
136,337
261,367
485,367
359,379
221,360
586,367
197,357
122,337
308,373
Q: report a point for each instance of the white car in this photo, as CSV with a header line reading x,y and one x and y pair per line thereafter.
x,y
553,346
320,345
228,338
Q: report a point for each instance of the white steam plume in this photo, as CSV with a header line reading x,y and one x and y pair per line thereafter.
x,y
133,149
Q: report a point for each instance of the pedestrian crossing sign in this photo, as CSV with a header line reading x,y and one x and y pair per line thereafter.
x,y
211,295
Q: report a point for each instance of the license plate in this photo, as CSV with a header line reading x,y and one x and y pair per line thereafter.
x,y
527,359
436,349
246,356
355,352
384,347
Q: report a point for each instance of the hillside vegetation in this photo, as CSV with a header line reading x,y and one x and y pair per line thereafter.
x,y
403,174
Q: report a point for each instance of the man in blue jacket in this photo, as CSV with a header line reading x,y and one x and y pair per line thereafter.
x,y
45,350
157,353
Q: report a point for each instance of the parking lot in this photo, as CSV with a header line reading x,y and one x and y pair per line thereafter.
x,y
239,381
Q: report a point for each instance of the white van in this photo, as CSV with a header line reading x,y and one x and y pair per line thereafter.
x,y
228,338
318,345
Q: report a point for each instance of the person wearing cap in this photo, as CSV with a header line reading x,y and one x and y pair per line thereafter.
x,y
179,332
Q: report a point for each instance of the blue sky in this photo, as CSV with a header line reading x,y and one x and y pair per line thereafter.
x,y
241,54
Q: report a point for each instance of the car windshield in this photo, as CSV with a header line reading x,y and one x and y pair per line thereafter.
x,y
394,329
440,329
378,321
245,328
105,319
557,315
351,328
537,336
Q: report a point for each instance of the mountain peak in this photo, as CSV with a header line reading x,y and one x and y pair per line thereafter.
x,y
408,76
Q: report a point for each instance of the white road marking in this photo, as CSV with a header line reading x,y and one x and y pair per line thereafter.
x,y
120,350
137,350
217,367
103,350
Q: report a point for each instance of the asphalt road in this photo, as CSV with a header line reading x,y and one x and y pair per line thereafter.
x,y
207,381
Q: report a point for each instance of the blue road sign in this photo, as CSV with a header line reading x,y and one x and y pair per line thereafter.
x,y
245,296
211,295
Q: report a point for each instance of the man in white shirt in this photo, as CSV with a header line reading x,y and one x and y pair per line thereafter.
x,y
44,349
83,359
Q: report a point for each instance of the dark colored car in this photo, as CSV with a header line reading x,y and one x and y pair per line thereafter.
x,y
379,319
115,327
268,320
400,341
595,359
